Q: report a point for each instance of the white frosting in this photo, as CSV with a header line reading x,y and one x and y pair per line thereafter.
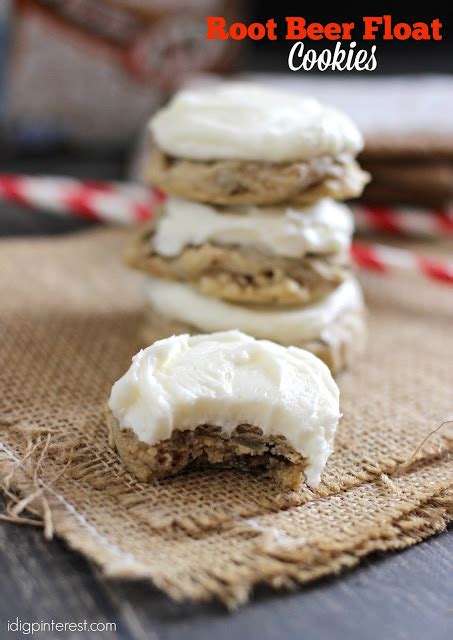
x,y
228,379
325,227
181,302
248,122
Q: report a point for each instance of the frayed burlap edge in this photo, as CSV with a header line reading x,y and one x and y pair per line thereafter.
x,y
281,567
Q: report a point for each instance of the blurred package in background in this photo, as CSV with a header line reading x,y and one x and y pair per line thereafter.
x,y
91,71
407,124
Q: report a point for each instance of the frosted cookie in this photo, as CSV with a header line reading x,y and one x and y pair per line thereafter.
x,y
228,400
238,143
285,255
332,328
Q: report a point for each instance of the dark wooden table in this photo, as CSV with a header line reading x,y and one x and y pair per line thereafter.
x,y
407,595
402,596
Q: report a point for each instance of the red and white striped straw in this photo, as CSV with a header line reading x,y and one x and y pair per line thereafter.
x,y
384,259
124,203
120,203
404,221
130,203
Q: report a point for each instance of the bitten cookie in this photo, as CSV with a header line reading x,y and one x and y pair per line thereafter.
x,y
282,255
244,144
216,400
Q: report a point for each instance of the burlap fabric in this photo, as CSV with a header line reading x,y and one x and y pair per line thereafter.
x,y
69,322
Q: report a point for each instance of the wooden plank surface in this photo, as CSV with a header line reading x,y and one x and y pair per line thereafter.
x,y
407,595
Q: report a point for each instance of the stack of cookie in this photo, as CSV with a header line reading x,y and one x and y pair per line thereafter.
x,y
251,235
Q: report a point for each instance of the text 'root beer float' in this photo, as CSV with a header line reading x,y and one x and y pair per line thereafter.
x,y
297,28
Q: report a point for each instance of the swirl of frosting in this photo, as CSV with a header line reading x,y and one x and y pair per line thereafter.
x,y
244,121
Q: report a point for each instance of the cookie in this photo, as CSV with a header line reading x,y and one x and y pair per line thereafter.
x,y
333,328
422,182
246,449
247,276
281,255
243,144
230,182
215,400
